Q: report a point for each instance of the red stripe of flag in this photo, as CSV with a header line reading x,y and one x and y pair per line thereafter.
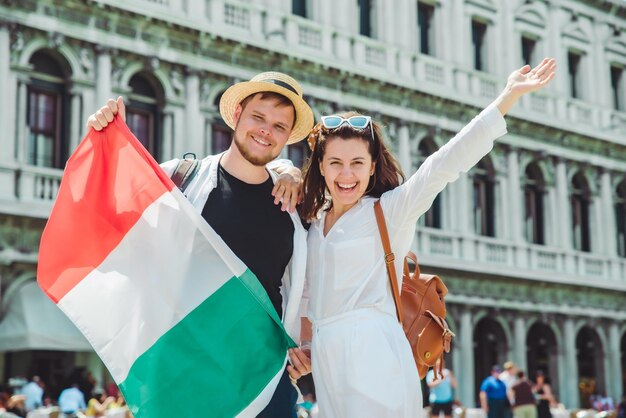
x,y
95,207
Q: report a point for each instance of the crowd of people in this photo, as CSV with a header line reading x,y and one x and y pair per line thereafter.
x,y
81,398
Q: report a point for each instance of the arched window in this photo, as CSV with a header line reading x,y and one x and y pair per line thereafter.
x,y
490,347
483,197
534,191
590,358
620,218
580,200
221,134
144,111
432,218
48,110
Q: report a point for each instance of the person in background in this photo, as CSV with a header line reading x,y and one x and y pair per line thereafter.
x,y
493,395
522,398
99,403
621,408
5,405
33,391
509,375
72,400
543,393
441,392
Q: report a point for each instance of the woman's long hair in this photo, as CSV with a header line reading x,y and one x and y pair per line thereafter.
x,y
387,172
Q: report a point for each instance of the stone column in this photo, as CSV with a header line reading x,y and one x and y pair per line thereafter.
x,y
103,76
193,122
167,148
608,214
569,387
519,350
564,219
515,213
400,23
75,121
196,10
21,128
614,377
404,149
460,30
465,369
554,43
6,139
562,374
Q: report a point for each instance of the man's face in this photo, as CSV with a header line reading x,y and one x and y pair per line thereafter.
x,y
262,129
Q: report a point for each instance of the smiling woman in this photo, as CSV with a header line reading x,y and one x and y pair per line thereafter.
x,y
363,364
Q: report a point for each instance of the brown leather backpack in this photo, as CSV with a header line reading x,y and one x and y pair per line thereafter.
x,y
420,307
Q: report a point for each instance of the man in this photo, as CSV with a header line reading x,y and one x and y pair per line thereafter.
x,y
493,396
523,398
441,392
233,192
509,375
34,393
72,400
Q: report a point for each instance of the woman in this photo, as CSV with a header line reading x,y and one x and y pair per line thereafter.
x,y
362,362
543,393
99,403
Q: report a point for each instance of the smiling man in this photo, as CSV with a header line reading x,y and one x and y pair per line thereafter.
x,y
233,192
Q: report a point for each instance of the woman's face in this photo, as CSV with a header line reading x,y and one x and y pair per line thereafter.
x,y
346,166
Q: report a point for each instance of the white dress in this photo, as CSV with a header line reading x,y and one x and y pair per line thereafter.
x,y
362,362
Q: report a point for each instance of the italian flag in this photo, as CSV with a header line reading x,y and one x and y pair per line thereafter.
x,y
184,328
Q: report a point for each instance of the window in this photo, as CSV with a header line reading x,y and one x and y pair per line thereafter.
x,y
534,191
528,50
366,15
432,218
299,8
47,111
222,136
573,62
425,13
617,87
580,200
479,30
143,113
620,218
483,190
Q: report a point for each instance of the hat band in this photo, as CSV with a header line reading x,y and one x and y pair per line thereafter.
x,y
281,84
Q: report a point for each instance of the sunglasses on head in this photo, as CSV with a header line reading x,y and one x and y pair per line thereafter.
x,y
356,122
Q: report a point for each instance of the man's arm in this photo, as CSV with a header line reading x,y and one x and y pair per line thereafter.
x,y
483,401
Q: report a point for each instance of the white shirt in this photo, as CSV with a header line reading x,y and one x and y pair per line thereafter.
x,y
34,396
346,268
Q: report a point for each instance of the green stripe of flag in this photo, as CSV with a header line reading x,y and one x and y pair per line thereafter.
x,y
214,359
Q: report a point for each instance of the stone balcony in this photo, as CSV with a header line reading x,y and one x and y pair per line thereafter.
x,y
495,256
30,191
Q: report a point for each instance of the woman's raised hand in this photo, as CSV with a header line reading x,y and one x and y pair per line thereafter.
x,y
525,80
105,115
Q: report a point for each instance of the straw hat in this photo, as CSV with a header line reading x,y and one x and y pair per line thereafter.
x,y
275,82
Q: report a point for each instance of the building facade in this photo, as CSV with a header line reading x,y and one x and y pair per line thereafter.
x,y
531,242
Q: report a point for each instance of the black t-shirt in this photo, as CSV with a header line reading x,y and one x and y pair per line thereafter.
x,y
255,229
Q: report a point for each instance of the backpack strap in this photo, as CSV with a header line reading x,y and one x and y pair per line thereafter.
x,y
185,171
389,257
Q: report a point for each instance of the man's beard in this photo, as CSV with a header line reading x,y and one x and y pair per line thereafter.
x,y
252,159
